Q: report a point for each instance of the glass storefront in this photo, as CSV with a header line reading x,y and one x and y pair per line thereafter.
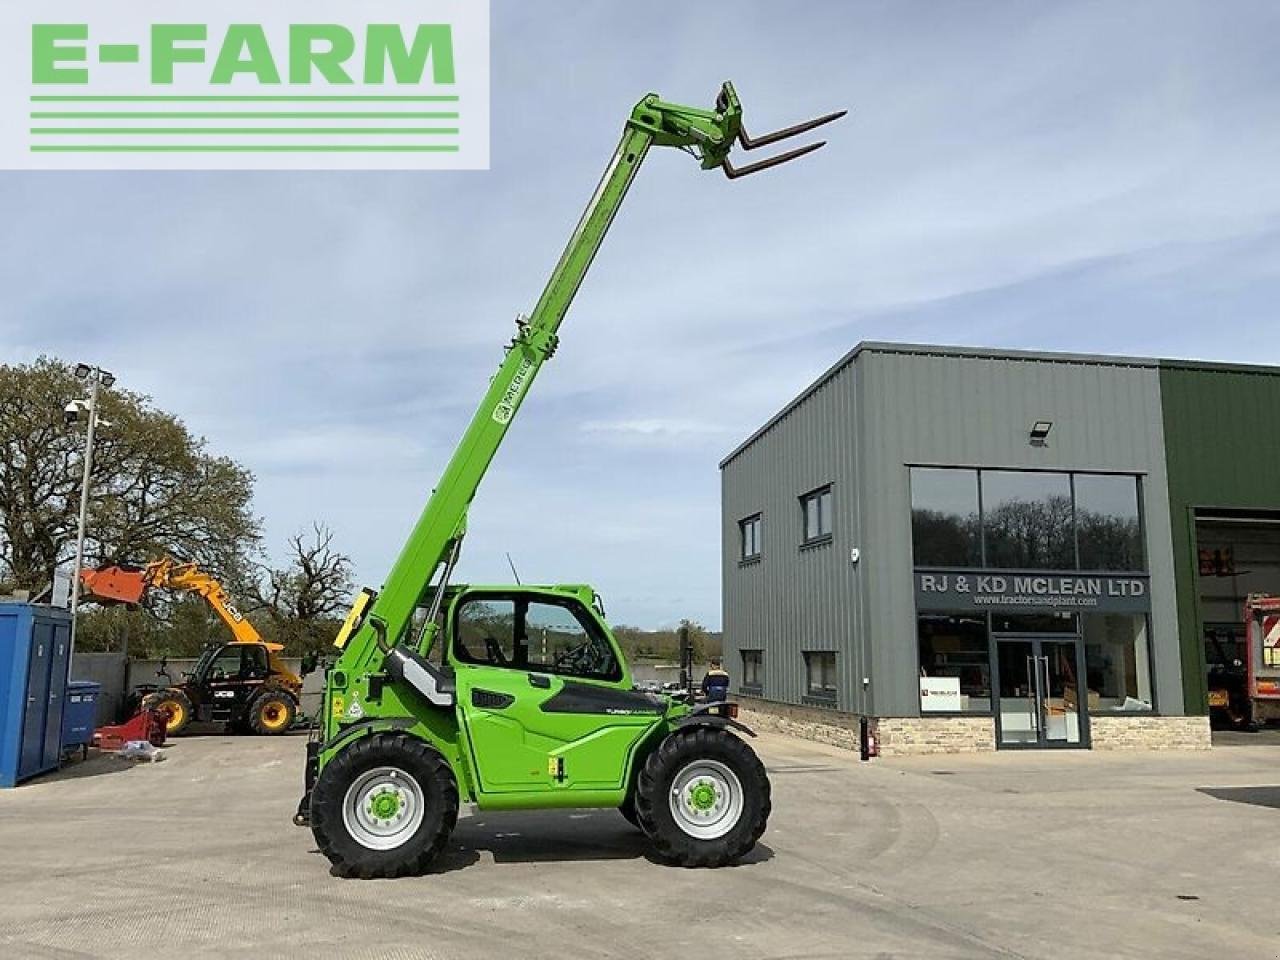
x,y
1032,599
1039,691
1118,662
955,647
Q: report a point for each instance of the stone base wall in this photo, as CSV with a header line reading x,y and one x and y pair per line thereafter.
x,y
896,736
1150,733
915,736
834,727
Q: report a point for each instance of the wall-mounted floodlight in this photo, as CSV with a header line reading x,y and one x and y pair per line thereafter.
x,y
1040,432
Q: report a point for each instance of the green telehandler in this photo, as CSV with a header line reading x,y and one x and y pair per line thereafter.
x,y
518,697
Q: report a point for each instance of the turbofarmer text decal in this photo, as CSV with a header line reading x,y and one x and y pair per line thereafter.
x,y
235,84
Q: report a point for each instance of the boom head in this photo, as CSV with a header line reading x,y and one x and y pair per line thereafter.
x,y
711,134
115,584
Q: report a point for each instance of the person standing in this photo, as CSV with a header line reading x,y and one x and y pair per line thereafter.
x,y
715,685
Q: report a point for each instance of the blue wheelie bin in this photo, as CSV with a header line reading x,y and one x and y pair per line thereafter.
x,y
79,715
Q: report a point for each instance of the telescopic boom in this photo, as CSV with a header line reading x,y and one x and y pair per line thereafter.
x,y
432,548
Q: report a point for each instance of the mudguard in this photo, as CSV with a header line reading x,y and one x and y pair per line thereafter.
x,y
311,770
720,714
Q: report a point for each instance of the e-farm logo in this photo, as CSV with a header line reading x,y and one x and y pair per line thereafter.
x,y
245,84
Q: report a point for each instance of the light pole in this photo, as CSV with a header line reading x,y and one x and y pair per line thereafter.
x,y
97,379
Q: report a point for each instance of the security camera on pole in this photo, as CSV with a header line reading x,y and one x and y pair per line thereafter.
x,y
88,409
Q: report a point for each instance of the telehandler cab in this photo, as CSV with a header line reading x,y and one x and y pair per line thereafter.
x,y
518,697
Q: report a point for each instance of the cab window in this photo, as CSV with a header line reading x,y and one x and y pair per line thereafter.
x,y
540,636
226,665
486,633
254,665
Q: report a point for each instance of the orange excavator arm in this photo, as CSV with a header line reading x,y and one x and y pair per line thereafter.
x,y
129,584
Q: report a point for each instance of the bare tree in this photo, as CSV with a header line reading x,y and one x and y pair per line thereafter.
x,y
305,598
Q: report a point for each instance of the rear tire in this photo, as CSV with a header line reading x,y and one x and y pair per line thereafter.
x,y
384,807
703,797
174,706
271,713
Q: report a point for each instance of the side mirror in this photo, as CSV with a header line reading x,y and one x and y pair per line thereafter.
x,y
309,662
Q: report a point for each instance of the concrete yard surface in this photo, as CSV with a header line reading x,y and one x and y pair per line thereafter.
x,y
1009,855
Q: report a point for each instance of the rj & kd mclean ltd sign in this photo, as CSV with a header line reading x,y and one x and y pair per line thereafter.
x,y
244,84
955,590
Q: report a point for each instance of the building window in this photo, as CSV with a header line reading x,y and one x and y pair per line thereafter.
x,y
820,669
1027,521
1117,662
750,530
955,663
817,515
945,529
752,670
1108,529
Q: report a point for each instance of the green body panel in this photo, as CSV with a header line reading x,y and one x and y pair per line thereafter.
x,y
1222,451
512,746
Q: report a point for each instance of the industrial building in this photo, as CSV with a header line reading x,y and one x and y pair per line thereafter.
x,y
981,549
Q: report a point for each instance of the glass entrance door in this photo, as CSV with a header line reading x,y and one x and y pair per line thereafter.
x,y
1039,692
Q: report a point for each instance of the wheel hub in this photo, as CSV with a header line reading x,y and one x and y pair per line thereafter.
x,y
385,805
706,799
702,796
383,808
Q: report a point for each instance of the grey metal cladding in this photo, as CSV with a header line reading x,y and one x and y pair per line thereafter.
x,y
953,410
878,410
795,597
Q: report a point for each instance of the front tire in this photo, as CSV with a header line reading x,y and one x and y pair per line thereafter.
x,y
174,706
384,807
703,797
272,713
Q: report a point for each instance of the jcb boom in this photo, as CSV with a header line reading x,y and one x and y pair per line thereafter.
x,y
244,684
518,697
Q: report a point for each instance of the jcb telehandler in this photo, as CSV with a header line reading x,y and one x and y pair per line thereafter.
x,y
243,684
518,697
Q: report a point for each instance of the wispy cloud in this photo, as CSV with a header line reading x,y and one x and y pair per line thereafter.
x,y
1085,176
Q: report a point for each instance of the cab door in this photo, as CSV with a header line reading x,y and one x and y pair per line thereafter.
x,y
232,679
540,695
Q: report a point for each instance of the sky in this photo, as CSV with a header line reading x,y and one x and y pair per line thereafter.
x,y
1094,177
